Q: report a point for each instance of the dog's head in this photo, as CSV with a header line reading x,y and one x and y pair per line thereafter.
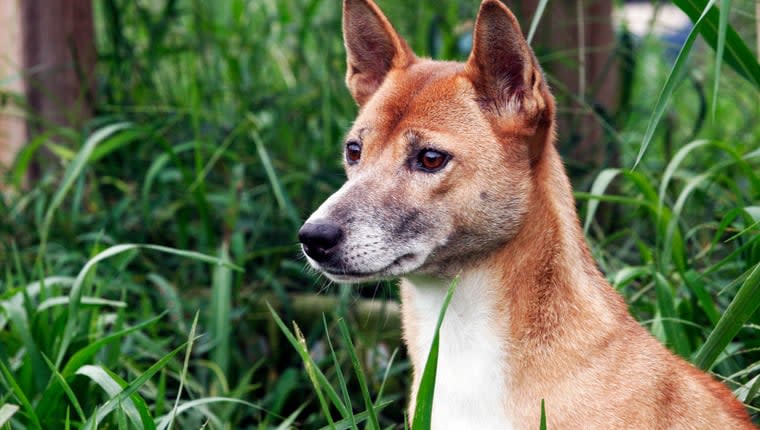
x,y
440,158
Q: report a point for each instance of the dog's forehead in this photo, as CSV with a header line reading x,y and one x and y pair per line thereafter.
x,y
427,95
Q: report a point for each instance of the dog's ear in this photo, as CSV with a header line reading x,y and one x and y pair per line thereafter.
x,y
373,48
502,67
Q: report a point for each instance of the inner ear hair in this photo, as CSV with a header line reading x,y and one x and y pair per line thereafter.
x,y
502,65
373,48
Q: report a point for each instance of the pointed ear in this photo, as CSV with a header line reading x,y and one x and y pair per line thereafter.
x,y
502,66
373,48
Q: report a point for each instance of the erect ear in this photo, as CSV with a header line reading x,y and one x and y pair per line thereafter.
x,y
502,66
373,48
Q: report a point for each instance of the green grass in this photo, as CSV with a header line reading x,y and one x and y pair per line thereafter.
x,y
216,132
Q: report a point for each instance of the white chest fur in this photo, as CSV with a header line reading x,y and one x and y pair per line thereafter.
x,y
472,374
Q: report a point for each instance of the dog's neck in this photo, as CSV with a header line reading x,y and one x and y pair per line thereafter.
x,y
537,299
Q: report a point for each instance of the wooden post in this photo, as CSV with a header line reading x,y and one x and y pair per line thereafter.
x,y
59,52
12,127
577,43
52,45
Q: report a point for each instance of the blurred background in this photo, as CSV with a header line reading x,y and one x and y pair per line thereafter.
x,y
212,129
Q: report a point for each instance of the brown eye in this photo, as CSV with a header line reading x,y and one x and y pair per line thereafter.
x,y
353,152
430,160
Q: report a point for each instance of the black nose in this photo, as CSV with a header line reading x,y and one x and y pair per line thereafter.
x,y
318,239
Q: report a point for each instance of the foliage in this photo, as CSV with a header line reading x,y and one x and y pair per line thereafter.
x,y
217,131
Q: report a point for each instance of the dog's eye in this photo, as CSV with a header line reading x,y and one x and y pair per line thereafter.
x,y
430,160
353,152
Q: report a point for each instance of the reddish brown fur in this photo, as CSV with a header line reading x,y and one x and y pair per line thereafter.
x,y
571,340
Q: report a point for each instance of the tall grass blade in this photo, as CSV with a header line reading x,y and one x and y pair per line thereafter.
x,y
339,373
279,193
185,365
737,55
674,164
536,19
67,389
358,418
312,371
15,311
80,358
542,426
320,380
78,286
221,309
388,367
85,354
290,420
673,330
725,6
133,407
73,171
130,389
7,411
741,308
374,423
600,184
164,422
423,410
13,387
663,99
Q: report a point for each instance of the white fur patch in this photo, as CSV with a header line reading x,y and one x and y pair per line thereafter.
x,y
471,380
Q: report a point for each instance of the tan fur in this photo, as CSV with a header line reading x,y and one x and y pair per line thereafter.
x,y
503,207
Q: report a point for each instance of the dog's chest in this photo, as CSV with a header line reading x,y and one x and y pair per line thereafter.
x,y
472,373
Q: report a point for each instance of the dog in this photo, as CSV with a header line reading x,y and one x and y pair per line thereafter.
x,y
452,171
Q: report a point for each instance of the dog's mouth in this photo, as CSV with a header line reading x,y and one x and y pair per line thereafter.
x,y
400,266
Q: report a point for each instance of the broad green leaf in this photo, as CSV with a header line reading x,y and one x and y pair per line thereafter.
x,y
113,143
627,274
130,389
134,407
80,358
92,301
7,410
601,182
741,308
674,164
12,386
